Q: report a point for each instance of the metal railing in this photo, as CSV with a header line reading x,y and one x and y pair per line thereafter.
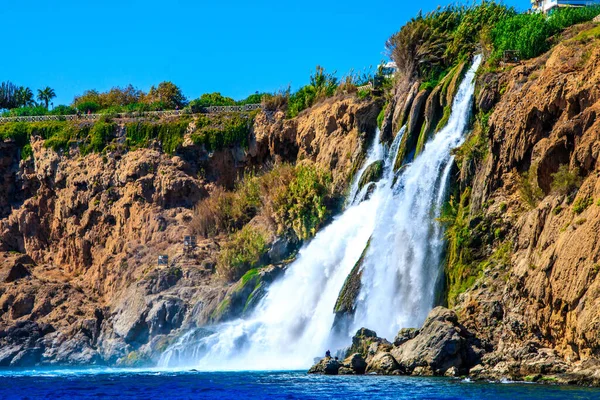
x,y
134,114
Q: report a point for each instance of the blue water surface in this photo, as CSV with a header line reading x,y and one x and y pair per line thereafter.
x,y
137,384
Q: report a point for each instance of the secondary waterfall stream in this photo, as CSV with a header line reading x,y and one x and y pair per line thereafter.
x,y
293,323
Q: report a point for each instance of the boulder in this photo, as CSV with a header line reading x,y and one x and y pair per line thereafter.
x,y
404,335
442,343
15,267
383,363
356,363
372,173
326,366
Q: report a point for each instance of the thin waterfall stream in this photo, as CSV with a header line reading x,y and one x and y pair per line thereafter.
x,y
293,323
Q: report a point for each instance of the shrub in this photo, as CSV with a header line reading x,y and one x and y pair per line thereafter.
x,y
255,98
167,93
322,85
363,94
170,134
564,181
63,110
302,208
277,101
211,99
86,106
98,137
241,253
26,152
28,111
530,34
581,204
223,212
222,131
296,200
381,116
529,190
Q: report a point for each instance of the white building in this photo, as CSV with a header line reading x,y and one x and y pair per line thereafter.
x,y
548,5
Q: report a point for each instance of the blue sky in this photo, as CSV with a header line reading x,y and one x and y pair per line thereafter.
x,y
234,47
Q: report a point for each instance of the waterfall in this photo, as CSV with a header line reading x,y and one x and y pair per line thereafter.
x,y
292,323
402,266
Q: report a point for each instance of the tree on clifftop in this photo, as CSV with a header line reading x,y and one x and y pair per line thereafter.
x,y
168,94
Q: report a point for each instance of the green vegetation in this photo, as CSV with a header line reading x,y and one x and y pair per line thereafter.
x,y
321,85
581,204
463,263
431,44
241,253
381,116
475,148
565,181
532,34
301,208
294,201
222,130
170,134
529,189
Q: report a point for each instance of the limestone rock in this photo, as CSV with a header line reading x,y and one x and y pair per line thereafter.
x,y
355,363
383,363
442,343
14,267
326,366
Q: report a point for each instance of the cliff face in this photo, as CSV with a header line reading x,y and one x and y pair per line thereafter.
x,y
523,258
538,187
80,236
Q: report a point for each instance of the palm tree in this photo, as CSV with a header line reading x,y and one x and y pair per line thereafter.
x,y
45,95
24,96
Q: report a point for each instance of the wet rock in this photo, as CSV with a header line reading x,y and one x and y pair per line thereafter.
x,y
280,250
404,335
442,343
383,363
165,315
355,363
345,304
326,366
372,173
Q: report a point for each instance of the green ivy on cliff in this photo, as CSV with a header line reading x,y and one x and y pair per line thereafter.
x,y
223,130
170,134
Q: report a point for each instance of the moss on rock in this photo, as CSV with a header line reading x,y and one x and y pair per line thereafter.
x,y
373,173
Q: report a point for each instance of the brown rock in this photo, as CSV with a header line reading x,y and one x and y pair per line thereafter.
x,y
382,363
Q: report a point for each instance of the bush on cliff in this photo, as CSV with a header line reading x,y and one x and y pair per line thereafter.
x,y
170,134
531,34
223,130
301,208
241,253
429,45
322,85
296,199
564,181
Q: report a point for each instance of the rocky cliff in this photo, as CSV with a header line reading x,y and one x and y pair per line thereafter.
x,y
80,235
522,227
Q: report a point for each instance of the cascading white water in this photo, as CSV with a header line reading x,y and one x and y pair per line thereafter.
x,y
375,153
293,322
295,317
402,266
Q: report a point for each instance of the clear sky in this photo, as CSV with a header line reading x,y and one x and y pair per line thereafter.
x,y
234,47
